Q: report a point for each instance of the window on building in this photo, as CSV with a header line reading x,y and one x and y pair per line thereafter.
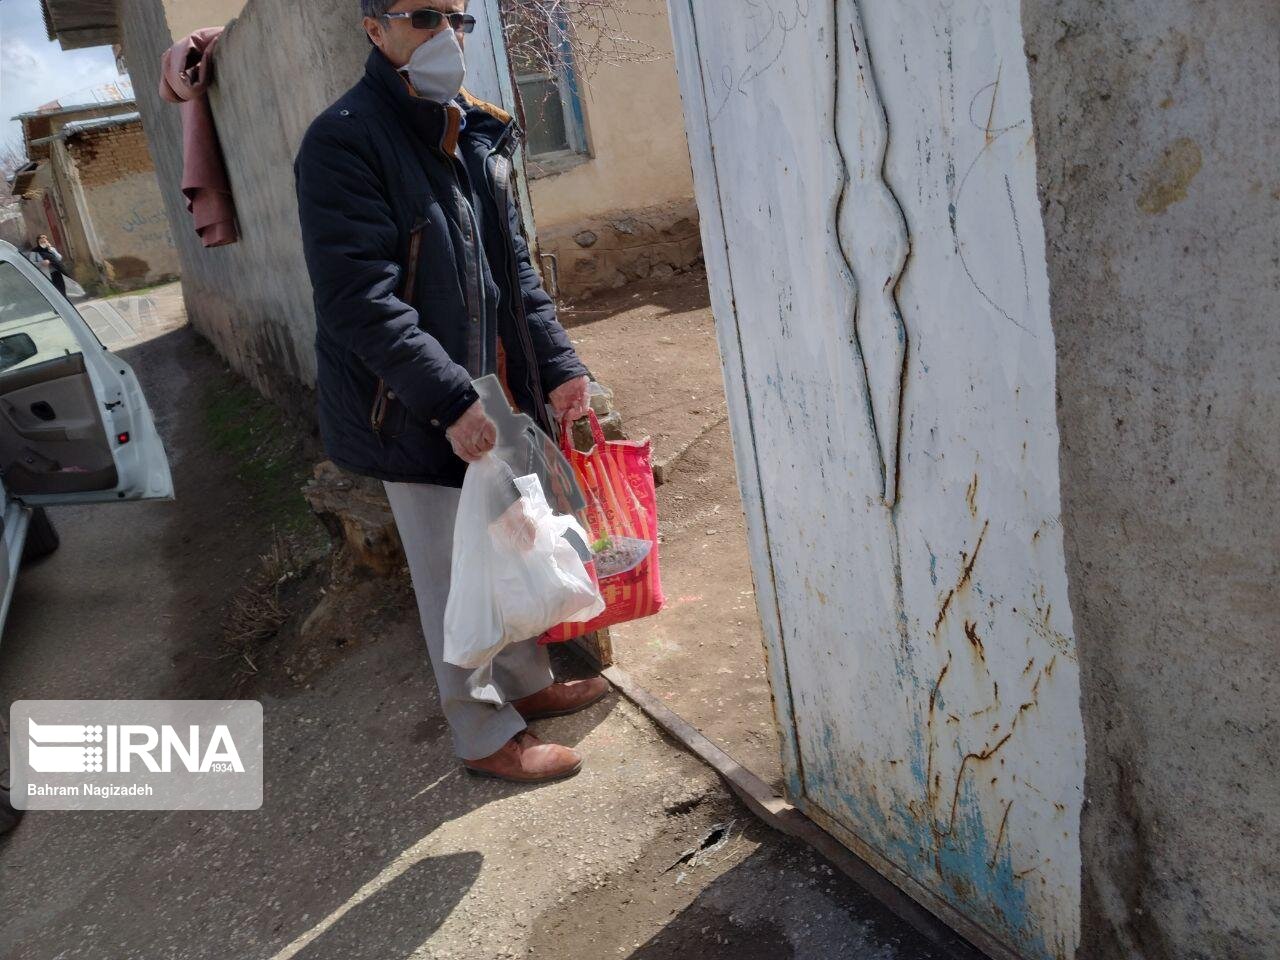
x,y
555,134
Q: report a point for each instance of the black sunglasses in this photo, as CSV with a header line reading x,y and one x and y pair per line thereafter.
x,y
428,19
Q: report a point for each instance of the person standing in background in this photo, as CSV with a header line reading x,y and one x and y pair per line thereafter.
x,y
47,255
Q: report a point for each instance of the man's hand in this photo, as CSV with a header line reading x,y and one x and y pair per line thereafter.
x,y
516,528
473,434
571,399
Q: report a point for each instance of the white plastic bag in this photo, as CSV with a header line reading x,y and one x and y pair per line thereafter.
x,y
514,573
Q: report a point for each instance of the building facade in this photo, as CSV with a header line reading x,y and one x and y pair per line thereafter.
x,y
91,186
609,184
608,163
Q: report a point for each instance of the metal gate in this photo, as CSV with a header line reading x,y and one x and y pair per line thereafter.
x,y
866,178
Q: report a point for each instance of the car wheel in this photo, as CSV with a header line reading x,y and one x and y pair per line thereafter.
x,y
42,539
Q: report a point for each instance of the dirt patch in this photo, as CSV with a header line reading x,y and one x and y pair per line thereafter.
x,y
328,614
704,653
256,560
1168,181
270,452
654,345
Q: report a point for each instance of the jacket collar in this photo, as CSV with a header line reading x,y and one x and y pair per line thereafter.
x,y
428,119
485,122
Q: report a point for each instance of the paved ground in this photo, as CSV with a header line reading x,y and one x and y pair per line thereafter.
x,y
370,843
654,344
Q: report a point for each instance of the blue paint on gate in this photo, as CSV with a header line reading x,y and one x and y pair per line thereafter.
x,y
960,857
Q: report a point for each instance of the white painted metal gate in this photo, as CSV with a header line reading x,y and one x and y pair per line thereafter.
x,y
866,177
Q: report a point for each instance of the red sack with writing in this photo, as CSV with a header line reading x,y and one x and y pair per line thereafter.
x,y
621,516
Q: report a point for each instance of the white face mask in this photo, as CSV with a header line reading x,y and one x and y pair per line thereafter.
x,y
436,69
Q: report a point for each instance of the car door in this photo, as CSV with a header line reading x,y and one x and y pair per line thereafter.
x,y
74,424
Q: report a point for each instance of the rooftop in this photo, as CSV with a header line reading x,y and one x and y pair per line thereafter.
x,y
76,127
73,108
117,93
115,120
81,23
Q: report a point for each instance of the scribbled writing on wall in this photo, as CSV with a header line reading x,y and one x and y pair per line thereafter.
x,y
768,23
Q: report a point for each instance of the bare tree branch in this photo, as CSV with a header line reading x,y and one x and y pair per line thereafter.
x,y
552,37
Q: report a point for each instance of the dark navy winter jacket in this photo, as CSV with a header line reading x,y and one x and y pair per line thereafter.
x,y
420,273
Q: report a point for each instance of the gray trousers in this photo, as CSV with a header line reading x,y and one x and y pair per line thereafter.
x,y
424,516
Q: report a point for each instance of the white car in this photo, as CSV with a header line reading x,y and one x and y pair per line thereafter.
x,y
74,428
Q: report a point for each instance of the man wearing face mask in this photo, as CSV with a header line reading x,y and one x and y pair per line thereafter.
x,y
422,281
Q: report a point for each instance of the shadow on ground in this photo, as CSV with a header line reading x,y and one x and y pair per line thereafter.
x,y
359,763
760,897
685,292
370,842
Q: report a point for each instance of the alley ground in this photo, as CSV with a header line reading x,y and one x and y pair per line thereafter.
x,y
654,344
370,843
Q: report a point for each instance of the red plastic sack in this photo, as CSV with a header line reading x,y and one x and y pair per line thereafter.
x,y
621,516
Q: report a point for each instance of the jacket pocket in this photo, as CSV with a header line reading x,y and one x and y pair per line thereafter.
x,y
387,416
409,285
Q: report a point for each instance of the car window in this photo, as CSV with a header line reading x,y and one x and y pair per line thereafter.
x,y
31,331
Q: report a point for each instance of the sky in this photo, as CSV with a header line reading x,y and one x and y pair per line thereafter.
x,y
34,70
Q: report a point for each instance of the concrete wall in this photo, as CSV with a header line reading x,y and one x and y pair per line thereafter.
x,y
186,16
122,199
1158,130
256,294
631,206
252,299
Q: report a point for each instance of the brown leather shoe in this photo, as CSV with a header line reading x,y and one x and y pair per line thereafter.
x,y
526,759
562,698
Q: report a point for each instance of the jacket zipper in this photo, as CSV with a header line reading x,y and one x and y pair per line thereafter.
x,y
383,395
474,291
513,277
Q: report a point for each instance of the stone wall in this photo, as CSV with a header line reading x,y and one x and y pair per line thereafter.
x,y
122,198
1157,128
600,253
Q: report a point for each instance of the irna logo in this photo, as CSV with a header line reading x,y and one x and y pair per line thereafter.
x,y
131,748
